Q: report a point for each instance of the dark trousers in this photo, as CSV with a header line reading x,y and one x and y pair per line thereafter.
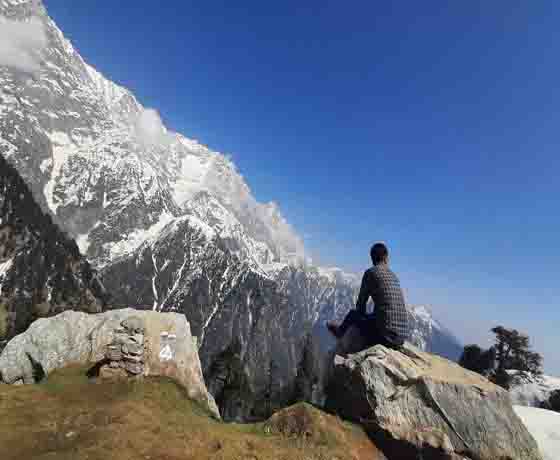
x,y
366,325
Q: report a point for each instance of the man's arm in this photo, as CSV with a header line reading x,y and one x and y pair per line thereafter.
x,y
363,297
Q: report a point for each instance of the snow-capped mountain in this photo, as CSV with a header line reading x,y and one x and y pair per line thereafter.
x,y
172,225
105,166
41,270
429,334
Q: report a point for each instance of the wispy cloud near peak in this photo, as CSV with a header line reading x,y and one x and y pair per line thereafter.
x,y
22,44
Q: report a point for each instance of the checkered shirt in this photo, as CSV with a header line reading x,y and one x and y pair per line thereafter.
x,y
391,315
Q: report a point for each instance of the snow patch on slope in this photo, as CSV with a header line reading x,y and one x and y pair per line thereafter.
x,y
4,268
22,43
336,274
110,92
544,426
62,148
129,243
83,243
533,390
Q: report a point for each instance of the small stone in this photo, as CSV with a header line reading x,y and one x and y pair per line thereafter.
x,y
132,359
133,325
135,349
119,339
113,353
111,373
135,368
137,338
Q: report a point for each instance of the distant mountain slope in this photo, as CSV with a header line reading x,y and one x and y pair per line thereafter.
x,y
41,269
430,335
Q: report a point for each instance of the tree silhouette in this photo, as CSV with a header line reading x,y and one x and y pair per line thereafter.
x,y
513,352
478,360
553,402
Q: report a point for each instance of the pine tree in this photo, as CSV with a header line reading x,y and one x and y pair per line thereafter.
x,y
513,352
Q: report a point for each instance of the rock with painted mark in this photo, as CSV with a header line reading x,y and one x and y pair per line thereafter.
x,y
74,337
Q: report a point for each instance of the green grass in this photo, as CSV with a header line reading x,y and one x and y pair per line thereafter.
x,y
71,417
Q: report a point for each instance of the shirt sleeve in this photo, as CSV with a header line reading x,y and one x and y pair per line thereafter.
x,y
363,297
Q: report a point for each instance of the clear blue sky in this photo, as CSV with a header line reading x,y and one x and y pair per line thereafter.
x,y
431,125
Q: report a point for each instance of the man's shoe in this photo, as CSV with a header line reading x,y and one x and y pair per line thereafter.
x,y
333,328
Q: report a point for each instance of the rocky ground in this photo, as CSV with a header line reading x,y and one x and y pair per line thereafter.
x,y
70,417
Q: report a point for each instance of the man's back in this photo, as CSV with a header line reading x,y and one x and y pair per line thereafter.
x,y
391,316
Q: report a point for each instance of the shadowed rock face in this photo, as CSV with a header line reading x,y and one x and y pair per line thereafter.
x,y
414,403
79,338
41,270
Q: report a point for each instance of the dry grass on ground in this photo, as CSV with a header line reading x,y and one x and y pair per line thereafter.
x,y
68,417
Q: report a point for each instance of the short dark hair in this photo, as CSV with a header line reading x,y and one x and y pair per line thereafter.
x,y
379,253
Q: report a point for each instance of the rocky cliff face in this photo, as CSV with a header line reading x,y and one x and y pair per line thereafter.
x,y
173,226
41,270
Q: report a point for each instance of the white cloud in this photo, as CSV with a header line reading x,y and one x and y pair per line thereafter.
x,y
149,128
22,43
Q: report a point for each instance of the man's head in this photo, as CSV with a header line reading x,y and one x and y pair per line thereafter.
x,y
379,254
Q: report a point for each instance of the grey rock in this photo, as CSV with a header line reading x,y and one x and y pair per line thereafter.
x,y
418,405
75,337
113,353
133,349
137,338
121,338
134,368
112,373
132,359
133,325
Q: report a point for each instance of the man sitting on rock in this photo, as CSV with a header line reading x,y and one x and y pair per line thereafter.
x,y
388,325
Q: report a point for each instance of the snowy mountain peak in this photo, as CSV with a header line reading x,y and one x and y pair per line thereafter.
x,y
21,8
108,169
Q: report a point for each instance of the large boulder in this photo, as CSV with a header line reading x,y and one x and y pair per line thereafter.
x,y
137,343
418,405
